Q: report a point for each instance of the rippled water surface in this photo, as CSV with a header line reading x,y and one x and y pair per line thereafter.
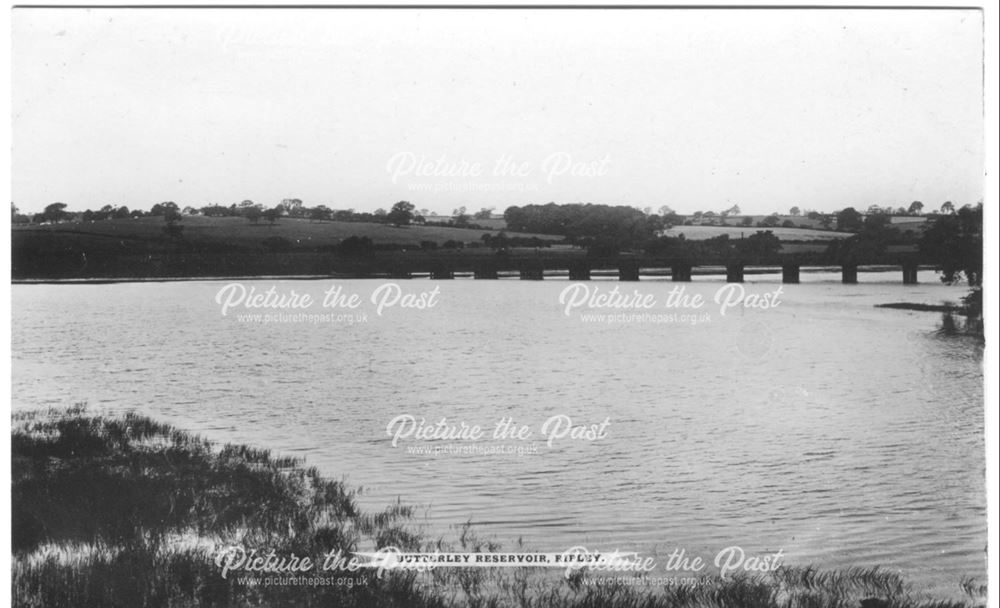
x,y
838,432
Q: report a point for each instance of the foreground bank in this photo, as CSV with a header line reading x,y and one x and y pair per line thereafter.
x,y
130,512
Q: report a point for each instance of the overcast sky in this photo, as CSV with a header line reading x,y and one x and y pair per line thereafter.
x,y
698,110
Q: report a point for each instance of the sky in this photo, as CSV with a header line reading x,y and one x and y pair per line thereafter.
x,y
354,108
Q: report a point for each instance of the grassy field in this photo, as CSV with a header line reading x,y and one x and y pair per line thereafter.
x,y
240,233
699,233
127,512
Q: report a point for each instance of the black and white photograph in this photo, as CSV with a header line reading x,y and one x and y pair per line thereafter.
x,y
507,306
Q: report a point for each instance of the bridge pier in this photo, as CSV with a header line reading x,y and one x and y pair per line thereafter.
x,y
909,274
628,271
849,274
485,271
442,273
579,271
532,271
790,273
680,272
734,273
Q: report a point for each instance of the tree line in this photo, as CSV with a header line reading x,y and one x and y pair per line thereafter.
x,y
551,218
402,213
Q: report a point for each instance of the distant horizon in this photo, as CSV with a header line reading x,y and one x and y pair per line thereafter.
x,y
928,208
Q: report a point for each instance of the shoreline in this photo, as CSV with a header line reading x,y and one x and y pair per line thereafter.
x,y
101,505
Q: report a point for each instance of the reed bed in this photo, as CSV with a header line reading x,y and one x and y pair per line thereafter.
x,y
126,511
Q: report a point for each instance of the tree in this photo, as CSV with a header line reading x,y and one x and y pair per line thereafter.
x,y
484,213
666,210
956,242
760,247
948,207
499,242
272,215
669,219
869,242
252,213
605,227
747,221
770,221
16,217
459,217
794,211
401,214
916,207
171,215
320,213
293,207
849,220
56,212
160,209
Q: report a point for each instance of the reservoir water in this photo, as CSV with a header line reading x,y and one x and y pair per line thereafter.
x,y
840,433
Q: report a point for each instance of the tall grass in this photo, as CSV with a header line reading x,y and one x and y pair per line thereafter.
x,y
126,511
